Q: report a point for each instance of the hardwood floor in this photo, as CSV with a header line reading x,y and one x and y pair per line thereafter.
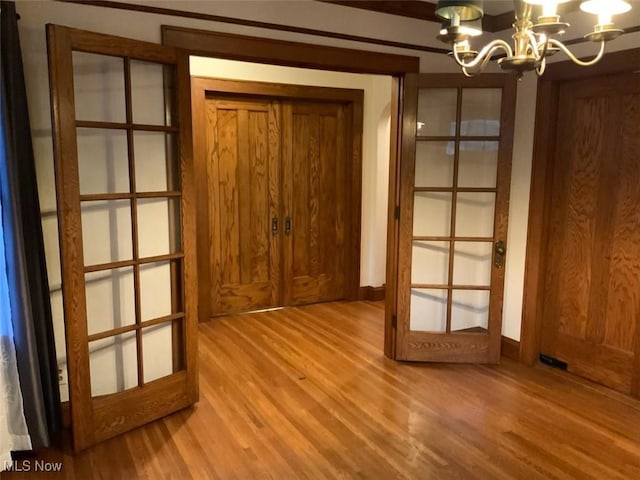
x,y
306,393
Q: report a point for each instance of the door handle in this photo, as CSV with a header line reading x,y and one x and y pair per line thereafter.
x,y
500,251
287,226
274,225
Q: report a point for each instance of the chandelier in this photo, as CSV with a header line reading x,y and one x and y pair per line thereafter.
x,y
532,42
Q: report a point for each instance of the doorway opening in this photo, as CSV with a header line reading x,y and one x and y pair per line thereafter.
x,y
342,251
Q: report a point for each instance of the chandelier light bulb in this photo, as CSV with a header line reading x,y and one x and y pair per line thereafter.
x,y
604,18
549,9
605,9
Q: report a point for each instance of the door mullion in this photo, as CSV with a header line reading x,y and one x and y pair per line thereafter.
x,y
134,218
454,204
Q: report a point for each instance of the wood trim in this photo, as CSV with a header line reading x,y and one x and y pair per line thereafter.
x,y
172,12
277,90
371,294
510,348
541,186
507,128
397,100
352,261
423,11
59,43
406,8
65,408
292,54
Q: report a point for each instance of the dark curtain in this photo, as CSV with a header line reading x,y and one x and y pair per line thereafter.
x,y
26,267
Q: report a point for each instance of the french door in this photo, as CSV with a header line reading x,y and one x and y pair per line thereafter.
x,y
127,232
454,176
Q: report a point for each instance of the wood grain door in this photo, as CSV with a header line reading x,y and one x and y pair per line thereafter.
x,y
243,178
455,167
591,306
125,191
315,137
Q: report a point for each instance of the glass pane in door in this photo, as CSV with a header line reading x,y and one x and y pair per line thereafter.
x,y
430,263
103,161
481,112
474,214
98,86
432,214
434,164
144,223
156,163
106,231
151,93
454,204
428,310
113,364
470,311
158,226
437,112
110,299
157,351
472,263
156,290
478,164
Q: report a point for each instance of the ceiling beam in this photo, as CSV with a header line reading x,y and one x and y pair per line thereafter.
x,y
422,11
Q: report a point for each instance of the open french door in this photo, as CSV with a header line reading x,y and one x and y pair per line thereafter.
x,y
122,142
452,208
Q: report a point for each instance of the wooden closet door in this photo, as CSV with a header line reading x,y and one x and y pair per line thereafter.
x,y
243,162
315,137
592,293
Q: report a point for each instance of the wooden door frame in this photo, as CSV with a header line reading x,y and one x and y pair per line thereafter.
x,y
321,57
542,185
352,98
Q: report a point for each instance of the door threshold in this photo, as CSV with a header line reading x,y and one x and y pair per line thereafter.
x,y
262,310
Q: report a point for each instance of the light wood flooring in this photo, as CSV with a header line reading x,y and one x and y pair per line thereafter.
x,y
306,393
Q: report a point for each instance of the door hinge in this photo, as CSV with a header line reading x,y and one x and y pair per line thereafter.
x,y
394,321
553,362
396,213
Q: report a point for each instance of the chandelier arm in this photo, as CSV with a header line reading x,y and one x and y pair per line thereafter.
x,y
575,59
467,73
534,45
542,66
484,55
539,54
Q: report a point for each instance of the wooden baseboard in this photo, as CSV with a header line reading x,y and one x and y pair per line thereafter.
x,y
510,348
66,414
371,294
